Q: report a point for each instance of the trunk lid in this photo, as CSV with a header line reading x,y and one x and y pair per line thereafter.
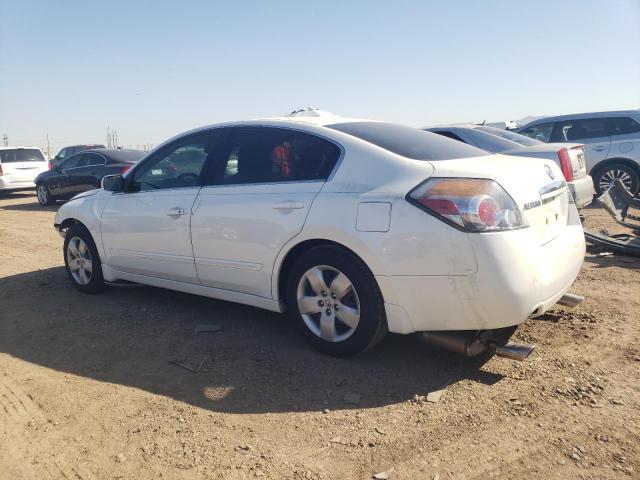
x,y
536,185
550,151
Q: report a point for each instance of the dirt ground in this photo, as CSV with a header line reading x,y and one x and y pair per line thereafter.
x,y
87,390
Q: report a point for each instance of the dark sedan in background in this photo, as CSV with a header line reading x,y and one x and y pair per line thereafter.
x,y
83,171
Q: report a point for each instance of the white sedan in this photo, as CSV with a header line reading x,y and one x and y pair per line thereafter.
x,y
569,156
355,227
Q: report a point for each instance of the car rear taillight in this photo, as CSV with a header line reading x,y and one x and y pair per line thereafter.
x,y
474,204
1,172
565,164
49,166
124,169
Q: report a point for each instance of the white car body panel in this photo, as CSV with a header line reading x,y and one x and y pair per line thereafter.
x,y
432,276
21,175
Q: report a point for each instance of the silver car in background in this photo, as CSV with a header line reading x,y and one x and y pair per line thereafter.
x,y
611,140
570,156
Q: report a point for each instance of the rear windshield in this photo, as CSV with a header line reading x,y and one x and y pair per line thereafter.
x,y
514,137
407,141
21,155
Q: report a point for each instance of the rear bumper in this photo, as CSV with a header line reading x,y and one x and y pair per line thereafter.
x,y
517,278
582,191
6,184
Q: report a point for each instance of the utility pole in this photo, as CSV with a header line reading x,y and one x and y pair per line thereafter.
x,y
5,139
48,147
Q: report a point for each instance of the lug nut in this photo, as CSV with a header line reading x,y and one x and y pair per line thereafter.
x,y
320,303
333,295
324,293
328,312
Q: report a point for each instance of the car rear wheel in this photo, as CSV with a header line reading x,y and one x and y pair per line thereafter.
x,y
44,196
608,174
336,301
82,260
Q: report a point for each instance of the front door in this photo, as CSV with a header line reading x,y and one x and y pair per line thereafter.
x,y
146,229
255,199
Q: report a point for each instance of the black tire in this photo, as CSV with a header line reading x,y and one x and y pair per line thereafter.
x,y
44,197
604,174
372,323
95,281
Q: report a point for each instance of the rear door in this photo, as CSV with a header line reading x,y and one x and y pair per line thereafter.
x,y
594,133
87,174
255,199
22,165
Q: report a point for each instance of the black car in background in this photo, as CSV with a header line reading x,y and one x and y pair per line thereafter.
x,y
83,171
66,152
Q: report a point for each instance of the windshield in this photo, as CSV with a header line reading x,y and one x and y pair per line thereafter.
x,y
21,155
407,141
514,137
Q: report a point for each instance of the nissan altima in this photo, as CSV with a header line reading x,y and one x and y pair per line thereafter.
x,y
356,228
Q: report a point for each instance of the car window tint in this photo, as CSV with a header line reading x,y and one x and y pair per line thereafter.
x,y
624,125
91,159
268,155
408,142
448,134
179,165
512,136
71,162
573,130
21,155
540,132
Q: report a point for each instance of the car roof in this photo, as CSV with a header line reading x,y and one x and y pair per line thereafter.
x,y
576,116
453,125
118,154
18,147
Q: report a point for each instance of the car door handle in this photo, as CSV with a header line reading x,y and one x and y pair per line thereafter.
x,y
176,212
288,205
599,148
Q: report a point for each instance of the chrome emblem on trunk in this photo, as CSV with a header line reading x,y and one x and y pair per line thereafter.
x,y
549,172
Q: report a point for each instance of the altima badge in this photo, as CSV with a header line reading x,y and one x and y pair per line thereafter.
x,y
549,172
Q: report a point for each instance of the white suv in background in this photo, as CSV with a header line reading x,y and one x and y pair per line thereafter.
x,y
19,166
611,143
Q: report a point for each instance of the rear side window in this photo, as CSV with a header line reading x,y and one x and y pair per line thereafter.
x,y
540,132
624,125
271,155
21,155
407,141
448,134
512,136
582,129
90,160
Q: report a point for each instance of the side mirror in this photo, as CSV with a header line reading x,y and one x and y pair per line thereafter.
x,y
112,183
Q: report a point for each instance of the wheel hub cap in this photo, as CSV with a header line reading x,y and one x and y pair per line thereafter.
x,y
328,303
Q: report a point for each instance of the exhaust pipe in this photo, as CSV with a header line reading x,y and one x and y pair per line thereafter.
x,y
571,300
514,351
456,342
472,344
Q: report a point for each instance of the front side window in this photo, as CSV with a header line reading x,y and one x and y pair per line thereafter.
x,y
540,132
575,130
71,162
90,160
270,155
179,165
624,125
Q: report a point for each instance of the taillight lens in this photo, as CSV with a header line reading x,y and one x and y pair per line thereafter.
x,y
50,166
474,204
124,169
565,164
1,172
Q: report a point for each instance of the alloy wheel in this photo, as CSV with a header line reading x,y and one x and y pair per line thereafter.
x,y
43,194
328,303
79,260
608,177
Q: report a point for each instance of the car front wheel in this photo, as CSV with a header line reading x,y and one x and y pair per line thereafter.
x,y
82,260
44,196
336,301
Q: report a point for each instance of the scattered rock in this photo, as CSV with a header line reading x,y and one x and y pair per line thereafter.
x,y
434,397
383,475
120,458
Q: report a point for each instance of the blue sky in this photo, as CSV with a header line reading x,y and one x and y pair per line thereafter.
x,y
152,69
